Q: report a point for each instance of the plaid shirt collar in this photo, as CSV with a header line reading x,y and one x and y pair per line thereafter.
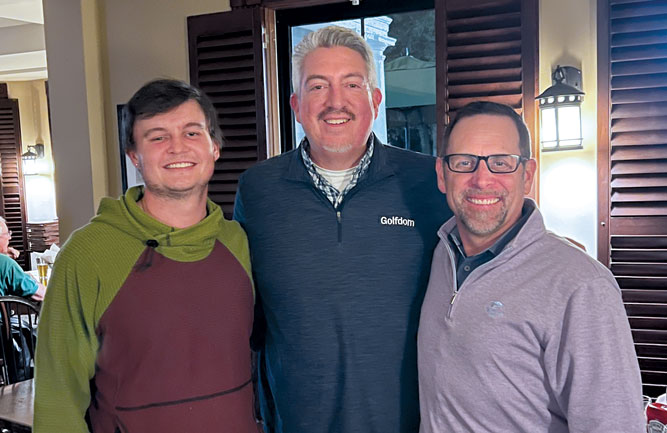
x,y
335,196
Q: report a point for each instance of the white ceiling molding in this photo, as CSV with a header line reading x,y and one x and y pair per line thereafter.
x,y
28,11
22,51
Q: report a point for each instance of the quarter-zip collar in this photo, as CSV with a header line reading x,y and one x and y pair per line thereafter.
x,y
532,230
333,194
466,264
379,167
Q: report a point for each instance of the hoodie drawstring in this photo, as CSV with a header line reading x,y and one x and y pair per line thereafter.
x,y
152,244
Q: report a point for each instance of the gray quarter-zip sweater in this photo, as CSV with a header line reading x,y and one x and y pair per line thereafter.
x,y
536,340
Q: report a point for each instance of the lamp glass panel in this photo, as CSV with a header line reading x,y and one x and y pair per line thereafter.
x,y
569,122
548,131
30,167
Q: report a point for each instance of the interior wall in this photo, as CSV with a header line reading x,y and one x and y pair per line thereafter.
x,y
33,111
145,40
568,179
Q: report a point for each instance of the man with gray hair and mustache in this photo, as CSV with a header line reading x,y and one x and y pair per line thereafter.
x,y
341,233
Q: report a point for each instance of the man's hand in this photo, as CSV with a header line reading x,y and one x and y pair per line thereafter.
x,y
13,253
39,294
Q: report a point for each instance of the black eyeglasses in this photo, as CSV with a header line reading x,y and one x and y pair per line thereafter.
x,y
466,163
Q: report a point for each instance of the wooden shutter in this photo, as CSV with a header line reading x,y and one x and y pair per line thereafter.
x,y
11,176
226,63
632,170
489,52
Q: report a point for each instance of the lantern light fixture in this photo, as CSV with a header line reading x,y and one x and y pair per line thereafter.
x,y
560,111
35,151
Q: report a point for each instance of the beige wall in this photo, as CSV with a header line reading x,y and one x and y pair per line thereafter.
x,y
99,53
33,111
568,179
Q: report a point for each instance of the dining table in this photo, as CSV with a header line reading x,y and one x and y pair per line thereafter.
x,y
16,407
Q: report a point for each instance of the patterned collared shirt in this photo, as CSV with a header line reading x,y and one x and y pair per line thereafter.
x,y
335,196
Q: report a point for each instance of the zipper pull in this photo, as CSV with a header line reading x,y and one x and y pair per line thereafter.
x,y
340,226
453,298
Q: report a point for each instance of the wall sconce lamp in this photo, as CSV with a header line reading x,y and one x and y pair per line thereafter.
x,y
35,151
32,163
560,111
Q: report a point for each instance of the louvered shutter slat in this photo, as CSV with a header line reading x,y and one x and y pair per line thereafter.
x,y
641,66
633,154
640,23
633,181
638,124
634,10
639,81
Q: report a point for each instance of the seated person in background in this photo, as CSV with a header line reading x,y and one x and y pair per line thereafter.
x,y
13,281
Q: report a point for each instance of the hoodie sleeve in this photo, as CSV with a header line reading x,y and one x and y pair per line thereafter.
x,y
67,348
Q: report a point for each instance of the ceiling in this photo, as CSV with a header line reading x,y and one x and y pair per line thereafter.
x,y
22,48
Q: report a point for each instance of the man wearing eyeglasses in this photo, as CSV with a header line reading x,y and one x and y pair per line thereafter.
x,y
13,281
520,331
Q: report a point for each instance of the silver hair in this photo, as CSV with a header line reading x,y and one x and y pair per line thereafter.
x,y
328,37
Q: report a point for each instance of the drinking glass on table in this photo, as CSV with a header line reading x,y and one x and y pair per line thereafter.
x,y
42,269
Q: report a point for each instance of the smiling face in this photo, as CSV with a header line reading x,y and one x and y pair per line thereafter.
x,y
335,105
174,152
486,204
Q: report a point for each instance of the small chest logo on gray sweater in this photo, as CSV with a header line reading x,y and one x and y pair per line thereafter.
x,y
396,221
495,309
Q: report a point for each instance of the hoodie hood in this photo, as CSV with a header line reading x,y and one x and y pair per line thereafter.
x,y
186,245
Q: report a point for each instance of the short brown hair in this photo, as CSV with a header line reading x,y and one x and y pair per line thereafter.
x,y
494,109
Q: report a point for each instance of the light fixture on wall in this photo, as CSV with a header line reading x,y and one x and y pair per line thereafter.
x,y
32,159
35,151
560,111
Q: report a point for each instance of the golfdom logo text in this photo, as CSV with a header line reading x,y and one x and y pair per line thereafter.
x,y
396,221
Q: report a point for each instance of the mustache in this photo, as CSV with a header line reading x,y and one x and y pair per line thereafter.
x,y
330,110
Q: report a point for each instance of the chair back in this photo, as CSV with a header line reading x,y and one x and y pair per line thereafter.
x,y
18,338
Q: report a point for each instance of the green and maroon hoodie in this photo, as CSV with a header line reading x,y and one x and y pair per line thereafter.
x,y
145,328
